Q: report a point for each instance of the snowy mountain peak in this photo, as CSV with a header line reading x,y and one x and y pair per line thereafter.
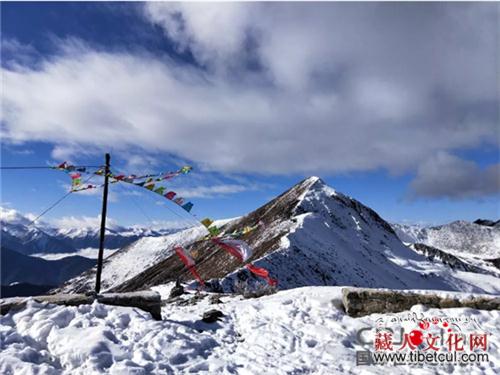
x,y
312,183
312,180
309,235
311,188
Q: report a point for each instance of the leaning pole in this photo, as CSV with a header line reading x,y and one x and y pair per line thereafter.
x,y
103,226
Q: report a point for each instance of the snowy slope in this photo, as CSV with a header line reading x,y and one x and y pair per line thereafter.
x,y
313,235
409,233
458,237
299,331
133,259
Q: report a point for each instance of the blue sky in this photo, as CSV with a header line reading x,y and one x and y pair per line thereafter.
x,y
256,97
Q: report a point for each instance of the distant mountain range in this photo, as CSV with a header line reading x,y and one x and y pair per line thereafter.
x,y
19,268
19,235
311,235
24,274
480,239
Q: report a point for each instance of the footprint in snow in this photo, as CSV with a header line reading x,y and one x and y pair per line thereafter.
x,y
311,343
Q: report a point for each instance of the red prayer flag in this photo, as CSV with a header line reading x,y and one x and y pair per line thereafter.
x,y
237,248
262,272
189,263
170,195
230,249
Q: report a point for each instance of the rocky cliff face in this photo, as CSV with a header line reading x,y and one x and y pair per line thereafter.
x,y
438,255
487,223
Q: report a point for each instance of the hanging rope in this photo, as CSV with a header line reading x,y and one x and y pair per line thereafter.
x,y
237,248
190,219
50,207
49,167
193,219
134,201
56,203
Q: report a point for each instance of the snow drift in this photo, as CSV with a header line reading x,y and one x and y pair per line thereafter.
x,y
295,331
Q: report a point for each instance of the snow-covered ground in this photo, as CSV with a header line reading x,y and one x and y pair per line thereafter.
x,y
298,331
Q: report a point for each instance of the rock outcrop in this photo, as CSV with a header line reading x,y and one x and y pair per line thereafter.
x,y
364,301
147,300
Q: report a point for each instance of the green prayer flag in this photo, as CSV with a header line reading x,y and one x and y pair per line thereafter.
x,y
160,190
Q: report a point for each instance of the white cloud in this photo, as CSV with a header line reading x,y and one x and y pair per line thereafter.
x,y
449,176
332,88
16,151
212,191
12,216
24,53
141,162
212,32
69,151
87,222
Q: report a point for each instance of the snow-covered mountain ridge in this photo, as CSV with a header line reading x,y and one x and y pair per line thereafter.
x,y
459,237
311,235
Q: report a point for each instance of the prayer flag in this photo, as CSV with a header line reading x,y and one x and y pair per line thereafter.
x,y
262,272
188,206
189,263
160,190
207,222
170,195
237,248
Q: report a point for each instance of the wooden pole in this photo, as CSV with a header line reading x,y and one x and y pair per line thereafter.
x,y
103,225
